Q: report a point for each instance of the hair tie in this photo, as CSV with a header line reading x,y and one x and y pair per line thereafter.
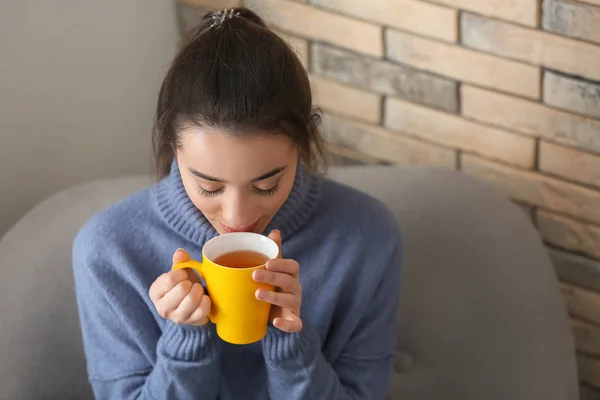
x,y
220,16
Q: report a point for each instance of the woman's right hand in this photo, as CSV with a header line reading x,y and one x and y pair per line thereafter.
x,y
179,295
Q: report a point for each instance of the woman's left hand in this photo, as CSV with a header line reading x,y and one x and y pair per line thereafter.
x,y
283,274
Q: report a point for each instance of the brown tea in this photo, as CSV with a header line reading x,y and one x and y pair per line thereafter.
x,y
241,259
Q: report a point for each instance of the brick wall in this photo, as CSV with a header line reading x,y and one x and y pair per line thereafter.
x,y
506,91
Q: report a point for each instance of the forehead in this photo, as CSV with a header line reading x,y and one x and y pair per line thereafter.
x,y
234,158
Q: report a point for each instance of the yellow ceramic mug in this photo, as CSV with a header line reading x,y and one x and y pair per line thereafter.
x,y
239,317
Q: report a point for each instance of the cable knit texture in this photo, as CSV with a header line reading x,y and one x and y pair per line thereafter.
x,y
349,250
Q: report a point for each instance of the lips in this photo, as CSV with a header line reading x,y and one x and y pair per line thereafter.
x,y
247,228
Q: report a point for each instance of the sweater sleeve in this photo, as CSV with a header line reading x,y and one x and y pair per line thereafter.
x,y
298,370
124,358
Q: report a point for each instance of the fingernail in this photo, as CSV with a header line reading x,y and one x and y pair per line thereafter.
x,y
278,231
261,294
255,275
278,323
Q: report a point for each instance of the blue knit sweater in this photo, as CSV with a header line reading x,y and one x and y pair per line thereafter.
x,y
348,247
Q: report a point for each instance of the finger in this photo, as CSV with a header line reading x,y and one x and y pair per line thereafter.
x,y
200,314
164,283
284,265
286,325
171,300
284,300
180,255
188,305
286,282
192,275
275,236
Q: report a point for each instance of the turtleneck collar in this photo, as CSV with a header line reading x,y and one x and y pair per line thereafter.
x,y
182,215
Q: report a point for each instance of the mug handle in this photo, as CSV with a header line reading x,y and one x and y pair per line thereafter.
x,y
198,267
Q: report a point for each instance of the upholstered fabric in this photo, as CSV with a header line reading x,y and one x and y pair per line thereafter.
x,y
481,316
41,354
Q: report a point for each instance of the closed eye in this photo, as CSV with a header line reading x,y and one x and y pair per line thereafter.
x,y
209,193
266,192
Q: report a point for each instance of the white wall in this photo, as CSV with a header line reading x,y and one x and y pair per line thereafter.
x,y
78,86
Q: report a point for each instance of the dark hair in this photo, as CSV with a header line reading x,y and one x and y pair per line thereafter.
x,y
236,75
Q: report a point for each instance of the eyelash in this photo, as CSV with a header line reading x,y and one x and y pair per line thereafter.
x,y
260,192
268,192
209,193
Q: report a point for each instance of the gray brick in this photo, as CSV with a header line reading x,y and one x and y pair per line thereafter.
x,y
576,95
531,118
462,64
572,268
572,19
385,77
532,46
384,145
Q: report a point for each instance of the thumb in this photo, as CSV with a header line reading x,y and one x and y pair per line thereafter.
x,y
180,256
275,236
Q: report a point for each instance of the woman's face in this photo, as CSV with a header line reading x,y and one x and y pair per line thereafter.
x,y
238,183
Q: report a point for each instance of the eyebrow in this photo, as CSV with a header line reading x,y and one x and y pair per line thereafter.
x,y
260,178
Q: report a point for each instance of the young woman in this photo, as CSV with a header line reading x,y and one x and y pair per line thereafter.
x,y
237,149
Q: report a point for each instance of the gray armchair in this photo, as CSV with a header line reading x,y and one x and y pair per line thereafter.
x,y
481,318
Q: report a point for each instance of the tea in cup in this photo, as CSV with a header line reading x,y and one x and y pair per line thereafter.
x,y
228,262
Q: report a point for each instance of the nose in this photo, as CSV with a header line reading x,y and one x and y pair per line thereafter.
x,y
236,210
